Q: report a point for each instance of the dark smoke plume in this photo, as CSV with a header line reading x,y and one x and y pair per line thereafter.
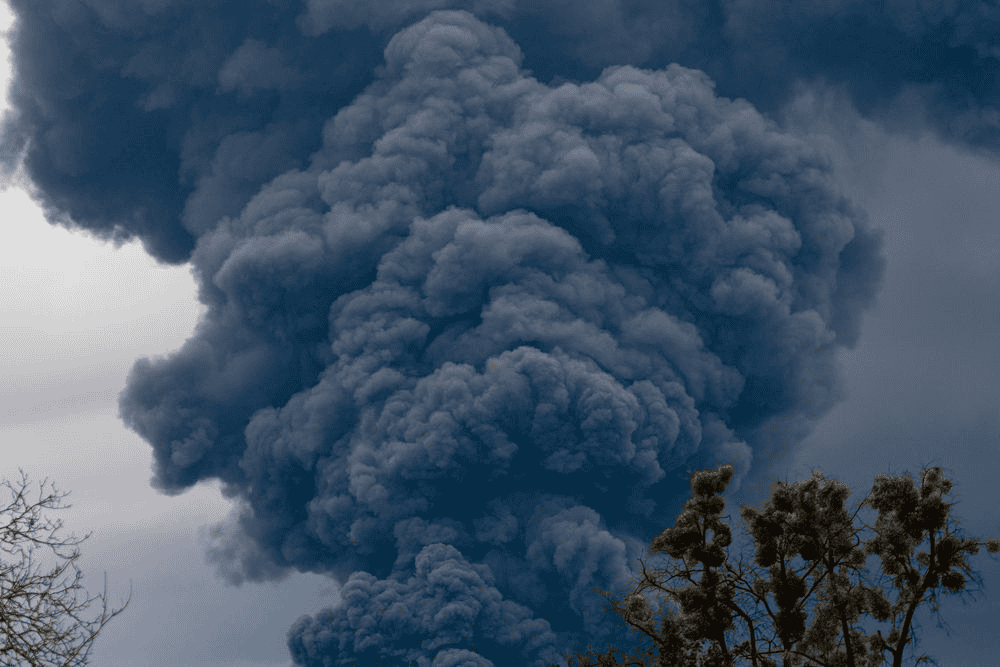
x,y
466,330
156,118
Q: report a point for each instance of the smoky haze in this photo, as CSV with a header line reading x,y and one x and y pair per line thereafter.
x,y
477,300
156,118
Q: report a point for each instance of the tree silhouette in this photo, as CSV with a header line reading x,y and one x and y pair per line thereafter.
x,y
40,616
809,563
609,657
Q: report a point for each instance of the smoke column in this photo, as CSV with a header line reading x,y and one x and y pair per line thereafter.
x,y
156,118
468,326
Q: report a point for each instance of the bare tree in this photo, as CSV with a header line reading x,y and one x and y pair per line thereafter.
x,y
41,622
809,563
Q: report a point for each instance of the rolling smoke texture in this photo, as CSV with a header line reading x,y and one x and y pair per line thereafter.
x,y
431,357
156,118
466,330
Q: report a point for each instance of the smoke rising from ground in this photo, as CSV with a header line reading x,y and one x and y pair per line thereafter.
x,y
466,330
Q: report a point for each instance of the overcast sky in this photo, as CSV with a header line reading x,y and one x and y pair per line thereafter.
x,y
76,315
922,381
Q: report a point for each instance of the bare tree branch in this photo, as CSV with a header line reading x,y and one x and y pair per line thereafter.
x,y
41,617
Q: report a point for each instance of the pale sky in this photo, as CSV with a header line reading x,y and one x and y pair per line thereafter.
x,y
76,314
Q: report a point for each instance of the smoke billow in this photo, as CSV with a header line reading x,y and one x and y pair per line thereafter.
x,y
466,330
153,119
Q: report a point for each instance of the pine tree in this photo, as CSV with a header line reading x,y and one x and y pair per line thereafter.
x,y
801,598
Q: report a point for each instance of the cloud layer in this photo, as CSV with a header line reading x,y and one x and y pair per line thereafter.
x,y
156,118
466,329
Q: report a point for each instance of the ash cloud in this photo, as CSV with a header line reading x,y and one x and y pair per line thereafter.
x,y
156,118
466,329
455,361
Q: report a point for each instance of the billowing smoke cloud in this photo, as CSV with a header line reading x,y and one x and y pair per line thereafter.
x,y
466,330
156,118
